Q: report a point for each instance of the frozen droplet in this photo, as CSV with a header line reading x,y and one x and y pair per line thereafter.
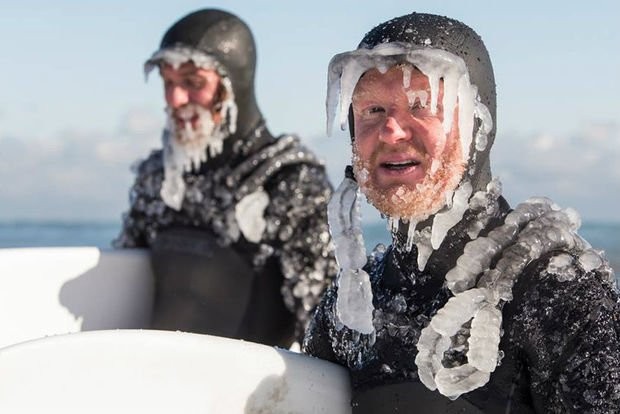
x,y
590,260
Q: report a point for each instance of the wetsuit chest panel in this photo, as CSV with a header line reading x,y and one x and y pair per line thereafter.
x,y
201,286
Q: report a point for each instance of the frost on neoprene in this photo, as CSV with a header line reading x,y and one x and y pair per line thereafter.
x,y
469,323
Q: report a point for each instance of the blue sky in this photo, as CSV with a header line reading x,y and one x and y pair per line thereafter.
x,y
75,111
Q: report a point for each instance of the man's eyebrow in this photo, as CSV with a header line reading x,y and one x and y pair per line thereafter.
x,y
182,70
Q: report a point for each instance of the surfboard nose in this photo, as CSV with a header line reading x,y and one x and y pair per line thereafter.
x,y
163,372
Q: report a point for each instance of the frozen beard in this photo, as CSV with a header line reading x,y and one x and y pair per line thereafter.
x,y
191,137
191,146
415,203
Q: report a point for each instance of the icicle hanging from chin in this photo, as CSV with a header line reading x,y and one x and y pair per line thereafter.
x,y
354,306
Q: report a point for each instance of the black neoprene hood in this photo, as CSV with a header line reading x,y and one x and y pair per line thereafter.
x,y
219,34
228,40
439,32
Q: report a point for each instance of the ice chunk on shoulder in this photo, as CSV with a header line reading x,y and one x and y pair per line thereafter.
x,y
249,213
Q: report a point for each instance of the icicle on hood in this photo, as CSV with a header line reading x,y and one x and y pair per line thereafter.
x,y
215,38
442,48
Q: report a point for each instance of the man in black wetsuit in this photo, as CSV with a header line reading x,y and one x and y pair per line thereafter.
x,y
234,217
475,307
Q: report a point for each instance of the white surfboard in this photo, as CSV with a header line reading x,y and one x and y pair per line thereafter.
x,y
142,371
46,291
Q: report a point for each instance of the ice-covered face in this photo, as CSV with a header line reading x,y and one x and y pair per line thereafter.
x,y
197,103
403,160
187,88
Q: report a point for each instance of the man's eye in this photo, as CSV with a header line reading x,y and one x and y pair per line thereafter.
x,y
420,110
194,83
375,110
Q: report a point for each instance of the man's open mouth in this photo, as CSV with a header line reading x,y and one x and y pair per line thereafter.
x,y
400,165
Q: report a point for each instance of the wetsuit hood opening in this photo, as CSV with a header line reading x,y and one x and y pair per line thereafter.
x,y
217,39
417,38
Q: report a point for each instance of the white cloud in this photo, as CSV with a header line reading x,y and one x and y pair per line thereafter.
x,y
140,122
544,142
75,174
579,170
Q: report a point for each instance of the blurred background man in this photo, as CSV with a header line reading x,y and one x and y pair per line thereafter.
x,y
234,217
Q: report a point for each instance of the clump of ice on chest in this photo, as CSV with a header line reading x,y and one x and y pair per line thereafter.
x,y
533,229
249,214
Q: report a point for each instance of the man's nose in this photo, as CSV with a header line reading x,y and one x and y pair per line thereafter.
x,y
393,131
177,97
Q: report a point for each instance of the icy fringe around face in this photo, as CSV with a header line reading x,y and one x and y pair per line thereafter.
x,y
354,303
180,158
344,71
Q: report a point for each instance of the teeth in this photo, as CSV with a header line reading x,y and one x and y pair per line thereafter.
x,y
400,164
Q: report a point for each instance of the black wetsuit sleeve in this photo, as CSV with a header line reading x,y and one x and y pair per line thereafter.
x,y
569,325
317,341
306,252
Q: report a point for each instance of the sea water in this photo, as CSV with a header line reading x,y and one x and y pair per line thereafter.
x,y
602,236
57,233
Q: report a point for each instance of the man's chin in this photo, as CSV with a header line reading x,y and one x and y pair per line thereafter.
x,y
182,143
404,202
397,203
